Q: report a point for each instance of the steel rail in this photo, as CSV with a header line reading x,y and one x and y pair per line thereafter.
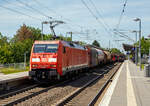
x,y
68,98
34,94
42,91
94,100
17,91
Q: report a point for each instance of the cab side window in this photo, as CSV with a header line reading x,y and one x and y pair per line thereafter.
x,y
64,49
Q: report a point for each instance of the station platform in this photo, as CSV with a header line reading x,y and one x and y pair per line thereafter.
x,y
129,87
13,77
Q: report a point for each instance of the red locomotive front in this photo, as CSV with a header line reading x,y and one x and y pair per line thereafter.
x,y
53,59
43,59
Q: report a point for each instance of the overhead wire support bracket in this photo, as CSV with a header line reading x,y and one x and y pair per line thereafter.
x,y
53,24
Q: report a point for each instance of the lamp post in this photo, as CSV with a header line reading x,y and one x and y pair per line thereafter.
x,y
134,31
149,52
139,20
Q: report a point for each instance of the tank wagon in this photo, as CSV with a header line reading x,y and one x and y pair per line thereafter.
x,y
121,57
100,56
115,57
92,56
107,56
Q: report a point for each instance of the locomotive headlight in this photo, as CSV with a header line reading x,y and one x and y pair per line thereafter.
x,y
52,59
53,65
34,65
35,59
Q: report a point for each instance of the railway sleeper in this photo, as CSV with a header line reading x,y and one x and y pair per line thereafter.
x,y
4,86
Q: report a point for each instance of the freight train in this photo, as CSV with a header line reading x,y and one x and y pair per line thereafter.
x,y
56,59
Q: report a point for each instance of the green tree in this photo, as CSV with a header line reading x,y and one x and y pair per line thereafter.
x,y
115,50
61,37
35,33
5,54
27,32
12,51
3,40
145,45
19,48
4,50
96,43
23,33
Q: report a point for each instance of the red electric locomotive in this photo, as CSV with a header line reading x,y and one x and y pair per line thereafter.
x,y
53,59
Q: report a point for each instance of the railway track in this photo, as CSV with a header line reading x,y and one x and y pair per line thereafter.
x,y
11,93
42,96
19,96
89,93
101,90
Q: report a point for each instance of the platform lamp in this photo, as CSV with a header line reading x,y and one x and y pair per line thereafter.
x,y
149,47
139,20
134,31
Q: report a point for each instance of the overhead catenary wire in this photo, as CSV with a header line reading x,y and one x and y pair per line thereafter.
x,y
17,5
100,15
16,11
118,24
58,14
69,23
109,32
22,13
96,17
32,8
122,35
51,10
121,15
40,4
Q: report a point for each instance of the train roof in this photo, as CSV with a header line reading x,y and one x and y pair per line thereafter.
x,y
107,52
65,43
47,42
94,47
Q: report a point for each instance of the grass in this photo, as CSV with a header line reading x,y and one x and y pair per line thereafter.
x,y
12,70
142,66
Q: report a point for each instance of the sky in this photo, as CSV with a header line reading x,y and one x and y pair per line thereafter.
x,y
78,18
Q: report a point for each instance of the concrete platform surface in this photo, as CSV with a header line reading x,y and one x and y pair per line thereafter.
x,y
129,88
13,77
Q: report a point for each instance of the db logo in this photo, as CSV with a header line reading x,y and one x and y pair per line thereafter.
x,y
44,60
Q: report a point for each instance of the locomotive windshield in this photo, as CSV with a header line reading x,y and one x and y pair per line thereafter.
x,y
45,48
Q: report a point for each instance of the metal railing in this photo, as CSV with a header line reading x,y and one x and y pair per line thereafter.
x,y
17,66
